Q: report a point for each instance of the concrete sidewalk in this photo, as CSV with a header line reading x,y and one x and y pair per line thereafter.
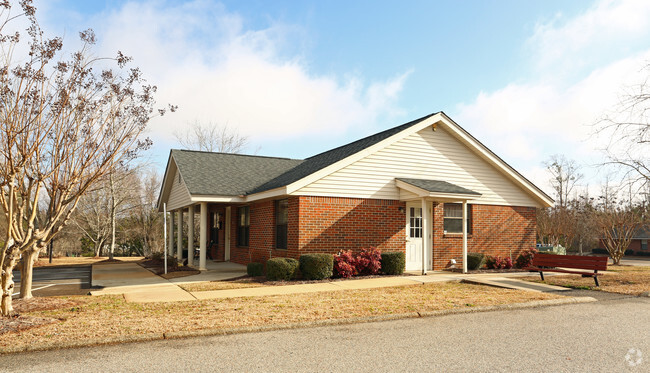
x,y
141,286
136,283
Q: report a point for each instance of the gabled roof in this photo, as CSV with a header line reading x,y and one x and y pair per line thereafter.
x,y
220,174
322,160
225,174
437,186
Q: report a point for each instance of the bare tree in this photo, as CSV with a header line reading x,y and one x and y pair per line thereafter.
x,y
63,126
627,128
618,223
564,177
212,137
92,217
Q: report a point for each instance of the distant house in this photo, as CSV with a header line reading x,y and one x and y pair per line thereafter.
x,y
401,189
638,244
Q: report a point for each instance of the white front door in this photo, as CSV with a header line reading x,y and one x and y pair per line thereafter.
x,y
414,233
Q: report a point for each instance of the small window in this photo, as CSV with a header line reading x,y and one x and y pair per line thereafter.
x,y
281,221
453,219
415,222
644,244
243,226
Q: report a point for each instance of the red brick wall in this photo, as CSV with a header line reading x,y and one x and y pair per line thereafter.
x,y
496,230
328,224
262,233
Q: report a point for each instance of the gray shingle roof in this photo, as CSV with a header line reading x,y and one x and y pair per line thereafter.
x,y
438,186
225,174
322,160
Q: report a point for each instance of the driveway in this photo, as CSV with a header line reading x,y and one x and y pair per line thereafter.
x,y
611,335
63,280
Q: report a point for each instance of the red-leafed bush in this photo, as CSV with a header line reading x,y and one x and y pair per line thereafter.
x,y
345,264
368,261
525,258
496,262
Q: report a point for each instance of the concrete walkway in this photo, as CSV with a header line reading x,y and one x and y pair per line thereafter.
x,y
141,286
136,283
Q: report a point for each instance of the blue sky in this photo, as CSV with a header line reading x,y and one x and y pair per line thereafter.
x,y
527,78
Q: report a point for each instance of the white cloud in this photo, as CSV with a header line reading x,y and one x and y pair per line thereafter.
x,y
205,60
554,113
597,35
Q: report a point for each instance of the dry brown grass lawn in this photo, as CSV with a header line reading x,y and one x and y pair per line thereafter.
x,y
219,285
622,279
111,316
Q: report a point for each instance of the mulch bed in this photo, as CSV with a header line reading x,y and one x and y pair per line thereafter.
x,y
477,271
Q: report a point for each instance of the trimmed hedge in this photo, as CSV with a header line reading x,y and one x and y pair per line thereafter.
x,y
255,269
599,251
475,261
393,262
281,269
316,266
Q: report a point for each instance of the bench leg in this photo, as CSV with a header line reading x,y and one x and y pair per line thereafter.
x,y
596,279
541,274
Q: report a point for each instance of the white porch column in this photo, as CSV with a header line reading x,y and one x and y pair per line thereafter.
x,y
464,236
227,235
179,235
190,235
203,236
426,231
170,246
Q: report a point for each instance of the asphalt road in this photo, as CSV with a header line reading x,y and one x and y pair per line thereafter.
x,y
49,281
611,335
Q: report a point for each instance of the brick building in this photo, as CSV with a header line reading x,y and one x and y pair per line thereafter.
x,y
426,187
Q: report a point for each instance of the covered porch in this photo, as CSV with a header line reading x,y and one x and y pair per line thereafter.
x,y
200,233
420,195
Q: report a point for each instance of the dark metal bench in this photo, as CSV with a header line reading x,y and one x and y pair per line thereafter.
x,y
549,263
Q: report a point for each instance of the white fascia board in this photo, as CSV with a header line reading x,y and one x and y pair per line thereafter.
x,y
435,195
273,193
217,199
166,187
489,156
362,154
411,188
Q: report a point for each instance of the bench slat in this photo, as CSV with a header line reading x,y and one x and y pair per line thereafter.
x,y
570,261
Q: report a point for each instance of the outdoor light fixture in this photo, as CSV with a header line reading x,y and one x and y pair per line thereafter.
x,y
402,209
216,220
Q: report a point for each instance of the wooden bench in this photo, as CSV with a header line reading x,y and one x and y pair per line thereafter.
x,y
549,263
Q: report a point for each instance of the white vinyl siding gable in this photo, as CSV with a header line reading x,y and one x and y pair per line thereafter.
x,y
179,196
427,154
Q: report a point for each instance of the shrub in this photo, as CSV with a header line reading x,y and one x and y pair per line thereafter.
x,y
316,266
345,264
628,252
393,262
368,261
158,255
475,260
281,269
599,251
525,258
496,262
643,253
255,269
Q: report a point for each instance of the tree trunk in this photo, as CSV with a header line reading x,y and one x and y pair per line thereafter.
x,y
113,208
7,280
26,273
